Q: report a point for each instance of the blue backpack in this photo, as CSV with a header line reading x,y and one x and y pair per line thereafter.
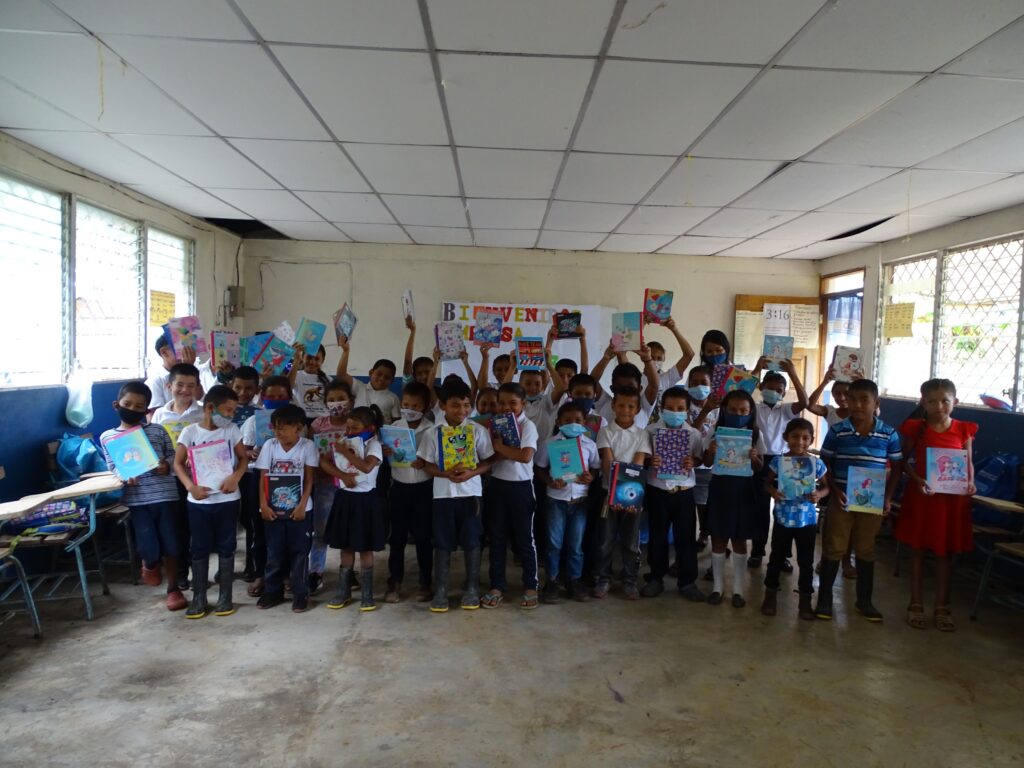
x,y
997,476
77,456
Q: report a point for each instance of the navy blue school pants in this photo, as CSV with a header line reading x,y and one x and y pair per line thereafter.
x,y
677,509
288,541
214,528
411,512
457,523
509,507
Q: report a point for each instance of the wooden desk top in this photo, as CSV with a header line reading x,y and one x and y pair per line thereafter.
x,y
101,483
999,504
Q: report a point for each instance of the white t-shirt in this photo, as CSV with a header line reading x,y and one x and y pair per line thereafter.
x,y
276,460
832,416
625,443
513,471
367,481
207,376
443,487
384,399
572,491
194,434
164,414
696,450
604,407
308,394
408,475
157,384
772,424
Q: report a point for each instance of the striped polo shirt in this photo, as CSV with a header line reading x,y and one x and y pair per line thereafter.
x,y
151,488
845,447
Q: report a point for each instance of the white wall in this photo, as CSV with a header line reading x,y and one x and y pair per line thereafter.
x,y
286,279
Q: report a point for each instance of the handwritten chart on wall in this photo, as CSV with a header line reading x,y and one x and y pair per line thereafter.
x,y
796,316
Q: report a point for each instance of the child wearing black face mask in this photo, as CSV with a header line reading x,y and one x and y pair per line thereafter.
x,y
153,496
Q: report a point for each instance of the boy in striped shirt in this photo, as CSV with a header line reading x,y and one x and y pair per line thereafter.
x,y
862,440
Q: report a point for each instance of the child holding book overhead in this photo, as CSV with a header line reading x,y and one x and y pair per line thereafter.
x,y
286,463
212,511
357,520
861,441
796,482
456,451
159,382
377,391
731,499
671,376
152,497
669,501
308,381
509,504
625,442
627,375
934,518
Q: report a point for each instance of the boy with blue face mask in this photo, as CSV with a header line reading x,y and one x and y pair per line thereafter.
x,y
213,512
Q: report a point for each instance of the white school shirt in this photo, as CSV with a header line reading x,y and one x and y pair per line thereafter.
x,y
309,394
157,384
643,417
832,416
696,450
367,481
163,414
408,475
207,376
194,434
385,399
274,458
624,443
443,487
513,471
572,491
772,424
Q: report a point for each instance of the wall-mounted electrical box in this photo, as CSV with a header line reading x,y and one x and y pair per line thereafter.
x,y
236,301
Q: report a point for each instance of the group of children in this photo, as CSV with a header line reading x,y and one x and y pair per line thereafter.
x,y
327,434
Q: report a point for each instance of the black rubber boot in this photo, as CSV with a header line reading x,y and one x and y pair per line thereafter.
x,y
806,612
829,569
442,565
471,593
343,594
226,579
199,607
367,603
865,586
770,603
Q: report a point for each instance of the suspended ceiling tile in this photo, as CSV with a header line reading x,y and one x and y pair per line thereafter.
x,y
181,18
704,181
741,222
881,34
700,246
819,225
585,217
263,204
821,250
405,170
34,16
991,197
440,235
761,249
664,220
235,88
998,150
898,228
376,24
561,27
375,233
418,210
999,56
507,214
634,243
805,186
910,188
308,230
309,165
656,108
23,110
926,120
610,178
90,83
570,241
505,238
522,103
204,161
508,172
190,200
348,207
788,112
746,31
374,96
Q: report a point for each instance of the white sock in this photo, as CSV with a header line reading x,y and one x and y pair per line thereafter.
x,y
739,574
718,571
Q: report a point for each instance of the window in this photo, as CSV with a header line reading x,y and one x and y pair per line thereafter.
x,y
168,282
905,361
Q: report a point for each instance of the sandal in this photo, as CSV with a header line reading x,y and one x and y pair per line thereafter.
x,y
530,600
916,616
492,599
255,589
944,619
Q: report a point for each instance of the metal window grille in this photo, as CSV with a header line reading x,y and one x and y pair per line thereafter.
x,y
168,271
904,362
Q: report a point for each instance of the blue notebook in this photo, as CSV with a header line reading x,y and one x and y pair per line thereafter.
x,y
504,425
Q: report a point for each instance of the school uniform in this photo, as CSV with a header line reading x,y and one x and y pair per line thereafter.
x,y
541,413
771,423
256,541
603,407
158,387
732,503
412,496
357,521
191,415
213,521
388,402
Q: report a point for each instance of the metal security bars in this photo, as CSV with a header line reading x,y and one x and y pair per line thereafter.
x,y
905,361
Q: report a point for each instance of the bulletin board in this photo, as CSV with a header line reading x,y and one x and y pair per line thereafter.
x,y
801,315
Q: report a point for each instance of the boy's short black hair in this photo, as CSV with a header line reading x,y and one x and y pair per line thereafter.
x,y
417,390
565,408
567,362
674,393
524,373
245,373
582,380
288,414
512,388
454,388
136,388
627,370
772,376
503,358
864,385
384,363
653,345
699,370
183,369
421,361
161,342
627,392
276,381
798,423
218,395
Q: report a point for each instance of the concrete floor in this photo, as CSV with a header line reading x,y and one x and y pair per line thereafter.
x,y
661,682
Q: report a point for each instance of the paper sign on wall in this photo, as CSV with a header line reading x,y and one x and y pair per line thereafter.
x,y
898,320
803,322
748,336
777,319
161,307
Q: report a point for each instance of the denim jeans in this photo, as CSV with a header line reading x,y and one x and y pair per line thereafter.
x,y
156,531
566,524
214,528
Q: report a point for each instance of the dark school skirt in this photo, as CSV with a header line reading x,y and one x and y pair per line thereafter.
x,y
356,522
731,507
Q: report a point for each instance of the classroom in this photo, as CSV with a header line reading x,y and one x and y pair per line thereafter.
x,y
512,382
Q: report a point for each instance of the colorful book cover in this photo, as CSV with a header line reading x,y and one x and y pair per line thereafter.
x,y
719,374
566,457
174,429
456,445
488,327
483,419
225,346
626,489
275,358
567,325
796,478
283,492
310,335
848,364
865,489
252,345
739,378
285,332
325,441
131,453
657,306
530,353
947,470
402,442
592,423
263,429
505,426
449,338
344,323
211,464
672,446
732,452
186,332
776,349
408,308
627,332
242,414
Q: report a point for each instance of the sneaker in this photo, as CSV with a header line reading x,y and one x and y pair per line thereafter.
x,y
300,604
630,591
315,581
424,594
393,593
176,601
579,592
738,601
151,576
600,590
550,593
268,600
692,593
787,567
715,598
653,588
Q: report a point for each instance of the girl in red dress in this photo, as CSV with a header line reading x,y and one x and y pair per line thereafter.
x,y
929,520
